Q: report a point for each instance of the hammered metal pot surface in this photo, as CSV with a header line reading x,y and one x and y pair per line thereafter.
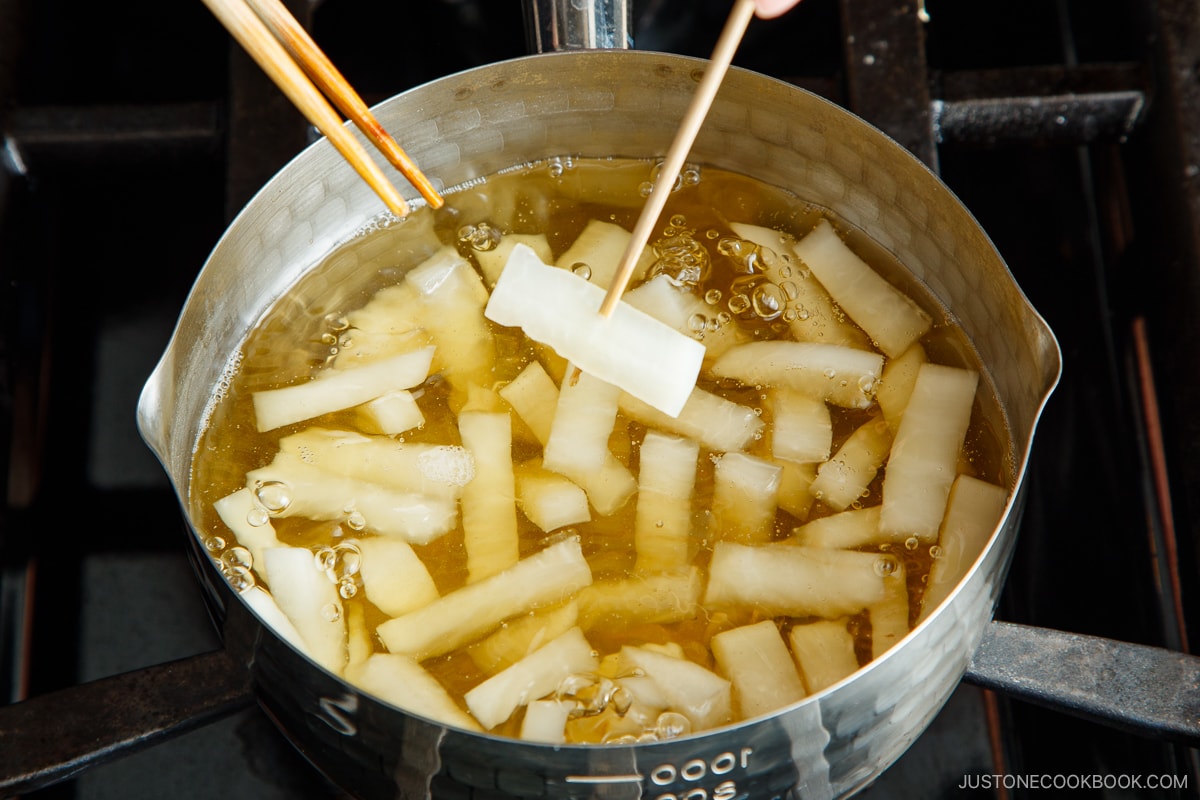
x,y
602,103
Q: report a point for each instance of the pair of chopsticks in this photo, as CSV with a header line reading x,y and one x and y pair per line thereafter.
x,y
727,44
289,56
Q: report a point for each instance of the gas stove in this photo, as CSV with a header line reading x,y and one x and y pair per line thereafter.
x,y
134,132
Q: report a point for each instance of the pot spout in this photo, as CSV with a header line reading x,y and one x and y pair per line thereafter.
x,y
555,25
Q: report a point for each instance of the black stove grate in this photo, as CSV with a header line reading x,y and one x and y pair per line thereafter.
x,y
132,133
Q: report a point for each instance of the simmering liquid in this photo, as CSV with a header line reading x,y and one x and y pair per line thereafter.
x,y
744,295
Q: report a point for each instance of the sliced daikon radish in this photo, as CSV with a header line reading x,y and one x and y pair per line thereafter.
x,y
491,262
630,349
402,682
794,495
520,636
700,694
263,604
599,249
248,520
824,652
393,413
743,504
687,313
662,528
545,721
815,317
297,489
896,383
844,478
794,581
489,505
357,348
664,597
583,421
391,310
716,423
888,315
549,500
973,511
756,660
394,577
532,678
534,396
802,430
889,617
925,452
310,600
417,467
841,375
453,297
844,530
550,576
337,389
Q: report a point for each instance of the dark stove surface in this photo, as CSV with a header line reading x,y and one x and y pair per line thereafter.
x,y
126,153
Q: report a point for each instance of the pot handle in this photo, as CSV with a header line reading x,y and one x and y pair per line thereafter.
x,y
55,736
1148,691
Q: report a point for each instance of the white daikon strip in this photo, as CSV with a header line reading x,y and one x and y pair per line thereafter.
x,y
391,310
453,297
889,617
687,313
420,468
801,428
393,575
816,318
841,375
700,694
357,348
545,721
896,384
310,600
337,389
520,636
319,494
743,504
661,598
359,639
583,421
794,495
549,500
845,530
630,349
793,581
532,678
973,511
889,316
263,604
489,505
925,452
824,652
716,423
844,478
393,413
402,682
491,262
534,396
550,576
248,520
662,528
756,660
600,248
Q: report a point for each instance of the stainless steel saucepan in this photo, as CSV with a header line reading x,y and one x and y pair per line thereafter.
x,y
613,103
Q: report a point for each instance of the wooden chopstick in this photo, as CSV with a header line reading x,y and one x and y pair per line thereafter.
x,y
722,56
252,33
330,81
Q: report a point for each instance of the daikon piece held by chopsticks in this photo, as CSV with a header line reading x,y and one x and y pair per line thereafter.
x,y
631,350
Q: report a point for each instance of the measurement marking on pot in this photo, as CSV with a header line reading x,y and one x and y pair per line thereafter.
x,y
603,779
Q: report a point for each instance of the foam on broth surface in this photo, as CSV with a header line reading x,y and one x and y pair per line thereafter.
x,y
742,292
